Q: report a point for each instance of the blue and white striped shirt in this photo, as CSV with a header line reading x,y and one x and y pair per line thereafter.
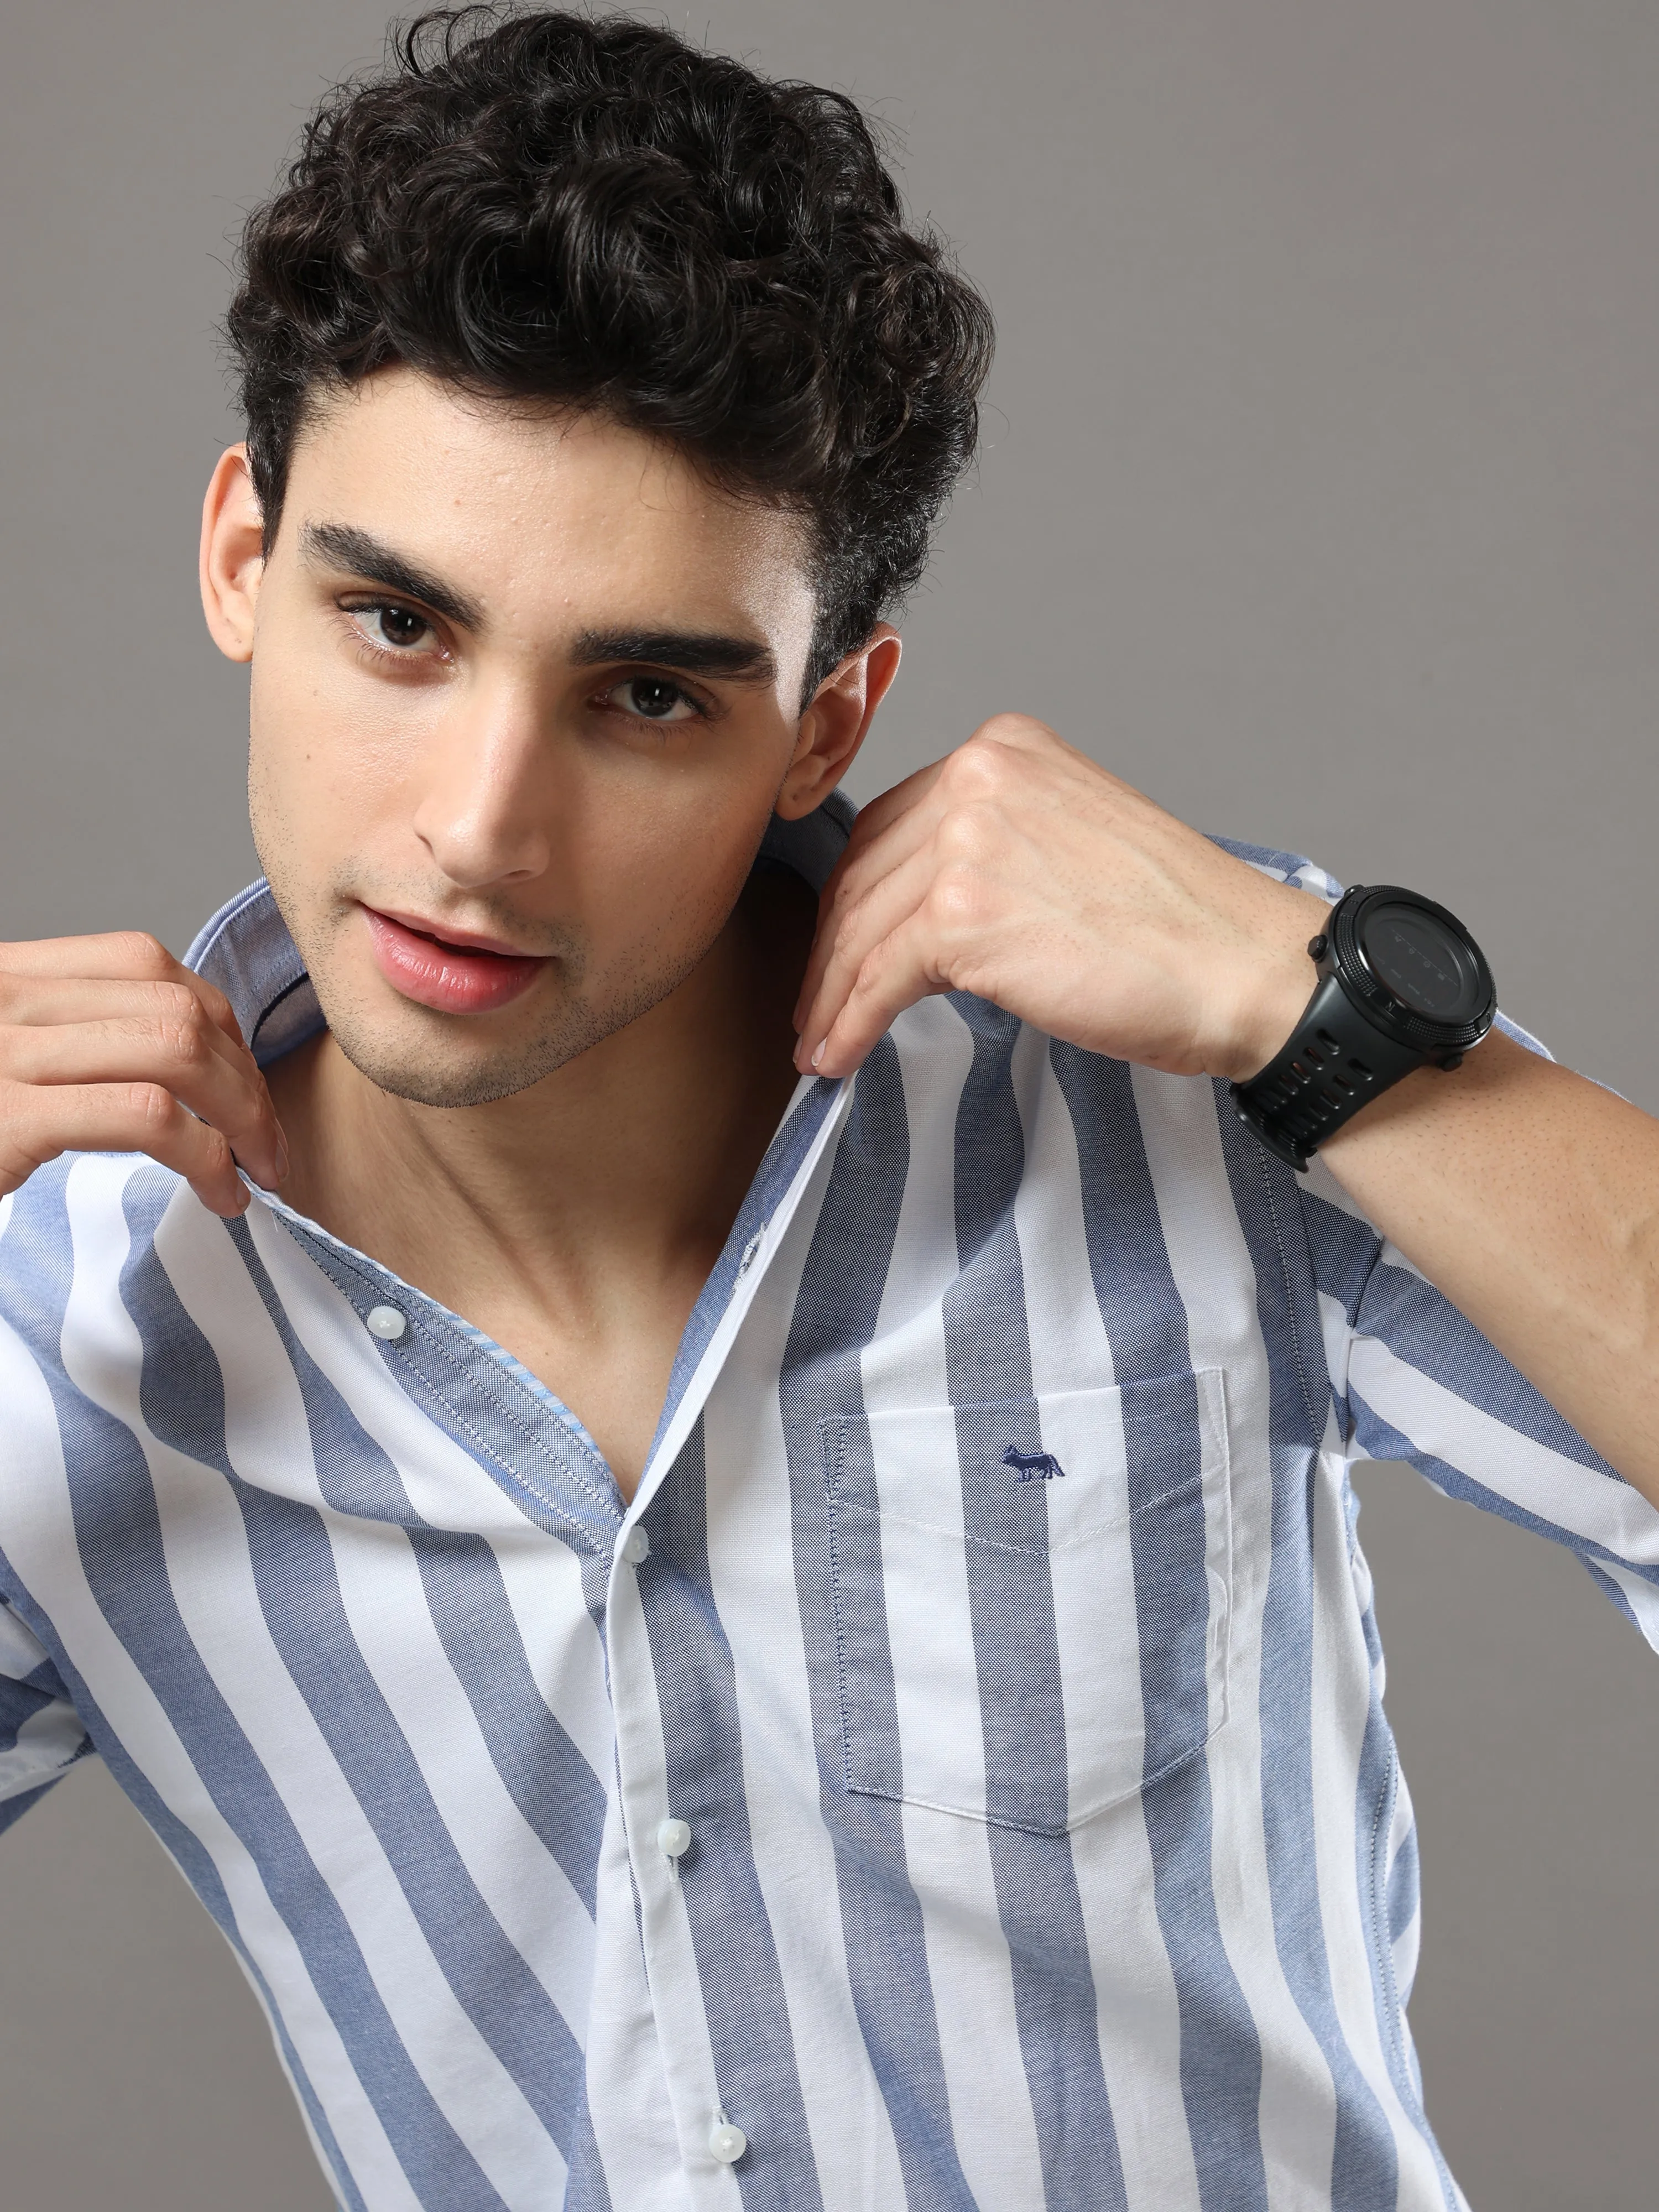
x,y
990,1619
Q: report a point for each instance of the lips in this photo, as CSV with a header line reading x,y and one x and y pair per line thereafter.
x,y
472,978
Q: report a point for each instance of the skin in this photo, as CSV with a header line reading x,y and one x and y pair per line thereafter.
x,y
581,1152
1020,870
577,1156
563,1167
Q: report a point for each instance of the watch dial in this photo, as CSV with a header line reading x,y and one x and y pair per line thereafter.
x,y
1418,959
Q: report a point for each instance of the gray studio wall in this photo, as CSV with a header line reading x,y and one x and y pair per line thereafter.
x,y
1319,498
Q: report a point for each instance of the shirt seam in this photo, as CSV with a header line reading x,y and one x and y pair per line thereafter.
x,y
487,1379
1315,1423
1383,1943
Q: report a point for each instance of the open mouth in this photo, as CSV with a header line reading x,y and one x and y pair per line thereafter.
x,y
450,978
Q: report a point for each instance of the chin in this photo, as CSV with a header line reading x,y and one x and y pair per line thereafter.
x,y
456,1070
446,1061
480,1082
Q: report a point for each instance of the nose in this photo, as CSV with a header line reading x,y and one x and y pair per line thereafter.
x,y
484,808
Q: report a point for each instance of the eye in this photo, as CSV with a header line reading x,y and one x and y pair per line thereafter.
x,y
393,629
653,699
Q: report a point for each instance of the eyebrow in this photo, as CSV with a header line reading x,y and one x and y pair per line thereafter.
x,y
336,546
698,652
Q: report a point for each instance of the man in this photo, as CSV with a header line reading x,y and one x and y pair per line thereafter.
x,y
746,1589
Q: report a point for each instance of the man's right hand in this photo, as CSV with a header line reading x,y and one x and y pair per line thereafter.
x,y
108,1045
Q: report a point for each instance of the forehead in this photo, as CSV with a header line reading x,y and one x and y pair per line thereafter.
x,y
546,520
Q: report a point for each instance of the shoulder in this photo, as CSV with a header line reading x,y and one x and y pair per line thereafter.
x,y
37,1257
72,1234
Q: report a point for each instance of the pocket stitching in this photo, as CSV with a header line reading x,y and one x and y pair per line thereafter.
x,y
1210,1392
840,1427
1022,1551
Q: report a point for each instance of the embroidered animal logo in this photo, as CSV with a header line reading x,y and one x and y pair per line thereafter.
x,y
1034,1467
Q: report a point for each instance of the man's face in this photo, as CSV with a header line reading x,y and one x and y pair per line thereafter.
x,y
525,690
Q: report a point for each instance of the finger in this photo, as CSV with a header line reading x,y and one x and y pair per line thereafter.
x,y
989,745
125,955
881,813
870,857
47,1001
975,782
846,939
34,1005
47,998
900,970
182,1051
39,1123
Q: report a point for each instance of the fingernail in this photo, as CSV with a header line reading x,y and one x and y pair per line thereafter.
x,y
818,1055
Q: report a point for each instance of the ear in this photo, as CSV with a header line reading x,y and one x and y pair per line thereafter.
x,y
233,555
835,721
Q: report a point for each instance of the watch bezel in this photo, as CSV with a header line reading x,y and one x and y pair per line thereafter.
x,y
1345,957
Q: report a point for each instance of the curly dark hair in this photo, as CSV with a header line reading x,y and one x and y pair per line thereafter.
x,y
594,213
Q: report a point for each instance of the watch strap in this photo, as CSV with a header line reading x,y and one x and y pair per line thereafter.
x,y
1335,1063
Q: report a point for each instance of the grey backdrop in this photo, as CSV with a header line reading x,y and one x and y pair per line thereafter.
x,y
1319,498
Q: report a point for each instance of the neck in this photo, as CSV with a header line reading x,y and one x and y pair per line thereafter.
x,y
577,1221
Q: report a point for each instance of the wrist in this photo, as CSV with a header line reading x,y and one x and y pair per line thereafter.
x,y
1402,984
1277,979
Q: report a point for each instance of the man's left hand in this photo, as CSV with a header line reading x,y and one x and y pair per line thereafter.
x,y
1019,870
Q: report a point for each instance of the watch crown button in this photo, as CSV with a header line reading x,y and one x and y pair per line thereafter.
x,y
1318,947
1450,1061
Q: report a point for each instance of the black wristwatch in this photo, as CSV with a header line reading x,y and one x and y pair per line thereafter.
x,y
1401,983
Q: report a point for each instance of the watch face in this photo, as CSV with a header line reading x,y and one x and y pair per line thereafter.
x,y
1419,961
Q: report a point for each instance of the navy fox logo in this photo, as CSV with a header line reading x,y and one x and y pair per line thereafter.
x,y
1039,1467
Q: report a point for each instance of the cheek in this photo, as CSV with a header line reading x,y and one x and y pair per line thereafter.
x,y
669,865
318,773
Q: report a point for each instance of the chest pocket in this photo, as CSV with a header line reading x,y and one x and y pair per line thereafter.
x,y
1032,1599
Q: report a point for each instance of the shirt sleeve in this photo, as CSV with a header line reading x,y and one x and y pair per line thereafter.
x,y
1413,1380
41,1735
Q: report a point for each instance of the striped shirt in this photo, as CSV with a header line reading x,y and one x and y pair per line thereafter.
x,y
959,1779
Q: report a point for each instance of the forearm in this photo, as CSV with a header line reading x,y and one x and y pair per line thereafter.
x,y
1530,1199
1022,872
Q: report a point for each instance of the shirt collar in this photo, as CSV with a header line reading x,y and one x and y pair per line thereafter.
x,y
247,951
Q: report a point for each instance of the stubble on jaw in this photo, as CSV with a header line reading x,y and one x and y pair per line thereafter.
x,y
574,1029
446,1068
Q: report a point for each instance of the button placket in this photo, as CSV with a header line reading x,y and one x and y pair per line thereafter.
x,y
663,1886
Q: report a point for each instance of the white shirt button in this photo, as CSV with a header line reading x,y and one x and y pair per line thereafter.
x,y
635,1544
385,1322
748,1252
726,2142
673,1840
